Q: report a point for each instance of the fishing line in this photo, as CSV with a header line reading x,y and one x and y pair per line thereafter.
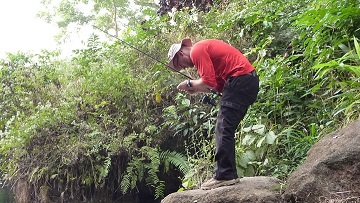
x,y
204,99
143,52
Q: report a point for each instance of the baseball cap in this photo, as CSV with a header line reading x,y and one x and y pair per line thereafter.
x,y
174,50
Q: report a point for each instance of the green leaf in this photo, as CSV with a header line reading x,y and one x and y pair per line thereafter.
x,y
249,171
33,173
322,65
248,140
185,102
354,69
344,47
250,154
260,152
260,142
248,129
357,47
245,159
270,137
53,176
259,129
316,87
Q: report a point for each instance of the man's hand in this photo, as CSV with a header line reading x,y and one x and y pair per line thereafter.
x,y
185,87
196,86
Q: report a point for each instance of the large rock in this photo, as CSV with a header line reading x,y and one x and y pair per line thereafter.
x,y
331,172
249,189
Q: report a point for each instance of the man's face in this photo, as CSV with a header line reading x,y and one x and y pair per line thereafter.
x,y
177,62
182,60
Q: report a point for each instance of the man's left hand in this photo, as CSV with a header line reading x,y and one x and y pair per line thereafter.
x,y
184,87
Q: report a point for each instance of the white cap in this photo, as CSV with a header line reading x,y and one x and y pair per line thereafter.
x,y
174,50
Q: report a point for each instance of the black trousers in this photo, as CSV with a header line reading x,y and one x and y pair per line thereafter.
x,y
238,94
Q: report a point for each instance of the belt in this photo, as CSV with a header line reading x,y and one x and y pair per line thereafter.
x,y
253,73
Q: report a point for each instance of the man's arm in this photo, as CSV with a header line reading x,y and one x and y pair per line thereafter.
x,y
194,86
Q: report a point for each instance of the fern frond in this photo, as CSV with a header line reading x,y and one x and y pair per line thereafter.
x,y
134,172
159,190
147,165
125,184
176,159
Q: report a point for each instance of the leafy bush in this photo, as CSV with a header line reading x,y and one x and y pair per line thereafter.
x,y
70,134
111,119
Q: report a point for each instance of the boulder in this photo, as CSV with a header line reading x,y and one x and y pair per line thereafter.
x,y
331,171
249,189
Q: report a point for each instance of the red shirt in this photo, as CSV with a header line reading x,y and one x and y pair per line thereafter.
x,y
216,61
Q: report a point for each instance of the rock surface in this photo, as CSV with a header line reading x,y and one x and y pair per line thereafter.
x,y
331,172
249,189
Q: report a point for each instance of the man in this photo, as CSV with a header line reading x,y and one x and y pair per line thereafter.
x,y
224,69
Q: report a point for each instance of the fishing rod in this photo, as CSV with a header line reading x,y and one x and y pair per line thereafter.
x,y
205,99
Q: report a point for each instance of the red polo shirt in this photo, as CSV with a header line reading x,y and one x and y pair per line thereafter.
x,y
216,61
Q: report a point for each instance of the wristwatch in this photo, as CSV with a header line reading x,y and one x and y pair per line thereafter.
x,y
188,83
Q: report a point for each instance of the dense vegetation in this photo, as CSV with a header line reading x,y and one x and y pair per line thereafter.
x,y
109,122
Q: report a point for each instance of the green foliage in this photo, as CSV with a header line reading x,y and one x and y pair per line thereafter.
x,y
176,159
196,125
341,74
146,166
110,119
325,25
68,129
104,14
253,149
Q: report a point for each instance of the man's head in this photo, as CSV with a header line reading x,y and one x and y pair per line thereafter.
x,y
175,58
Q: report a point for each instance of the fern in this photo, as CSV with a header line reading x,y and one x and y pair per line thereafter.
x,y
159,190
176,159
125,182
153,169
147,166
132,175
